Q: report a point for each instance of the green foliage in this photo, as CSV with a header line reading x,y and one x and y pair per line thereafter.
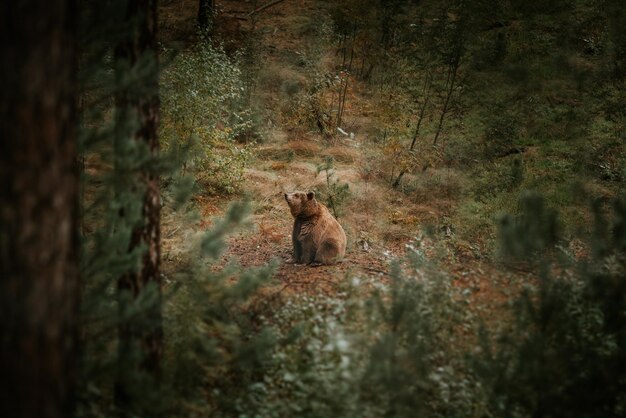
x,y
209,337
403,350
313,366
491,51
564,354
400,350
393,351
532,232
116,165
212,341
501,133
203,105
443,184
214,344
333,193
415,365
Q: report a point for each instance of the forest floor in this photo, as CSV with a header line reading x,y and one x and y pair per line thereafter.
x,y
380,222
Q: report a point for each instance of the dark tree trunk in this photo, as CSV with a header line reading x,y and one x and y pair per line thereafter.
x,y
39,279
426,96
453,69
206,9
140,101
389,10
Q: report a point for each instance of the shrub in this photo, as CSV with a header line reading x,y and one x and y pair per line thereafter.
x,y
416,364
564,355
333,193
316,365
212,338
394,351
202,105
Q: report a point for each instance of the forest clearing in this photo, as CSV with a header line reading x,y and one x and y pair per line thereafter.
x,y
172,171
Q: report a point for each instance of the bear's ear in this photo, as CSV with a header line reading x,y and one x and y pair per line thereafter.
x,y
310,195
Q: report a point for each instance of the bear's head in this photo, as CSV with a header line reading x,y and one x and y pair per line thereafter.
x,y
302,204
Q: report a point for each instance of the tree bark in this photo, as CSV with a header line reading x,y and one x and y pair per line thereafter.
x,y
206,8
39,275
140,101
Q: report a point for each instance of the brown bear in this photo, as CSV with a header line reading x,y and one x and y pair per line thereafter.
x,y
317,236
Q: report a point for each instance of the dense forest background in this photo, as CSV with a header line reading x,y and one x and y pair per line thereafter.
x,y
474,152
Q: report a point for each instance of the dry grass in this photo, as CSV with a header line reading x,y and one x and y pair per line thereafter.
x,y
303,168
343,175
277,78
269,232
434,184
397,234
400,217
259,176
342,153
596,189
304,148
286,151
278,166
425,214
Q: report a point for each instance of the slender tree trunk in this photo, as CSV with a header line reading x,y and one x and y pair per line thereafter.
x,y
342,100
206,8
389,10
352,48
422,112
344,50
140,101
361,68
343,89
426,95
39,278
368,74
450,86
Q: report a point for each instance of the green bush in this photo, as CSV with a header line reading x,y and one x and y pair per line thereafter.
x,y
565,352
202,95
408,349
333,192
416,363
213,343
314,366
394,351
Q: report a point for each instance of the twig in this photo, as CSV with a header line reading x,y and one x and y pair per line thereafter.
x,y
171,233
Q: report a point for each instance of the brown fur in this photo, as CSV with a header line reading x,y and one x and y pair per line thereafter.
x,y
317,236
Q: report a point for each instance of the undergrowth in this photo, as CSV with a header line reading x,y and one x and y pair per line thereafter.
x,y
411,344
334,193
374,348
203,101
